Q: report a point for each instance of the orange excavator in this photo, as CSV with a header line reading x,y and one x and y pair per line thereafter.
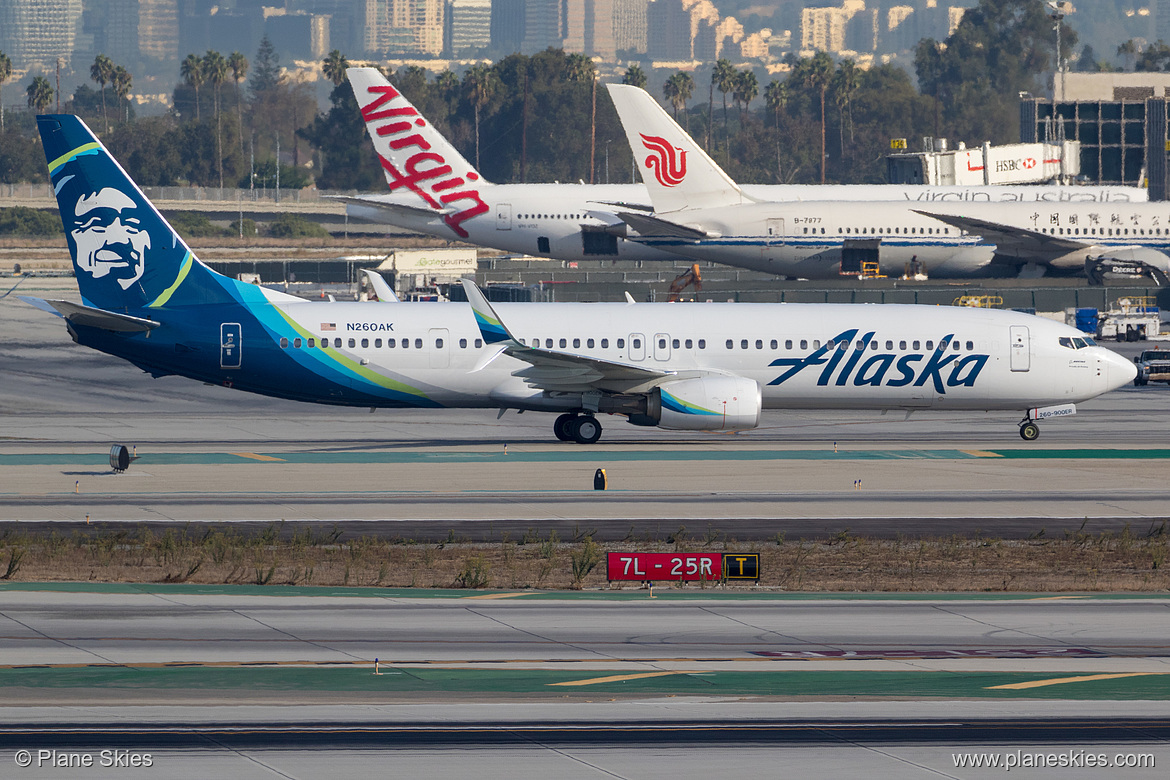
x,y
691,278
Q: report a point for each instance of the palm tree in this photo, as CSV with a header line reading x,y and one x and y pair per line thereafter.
x,y
776,98
580,69
480,84
334,67
635,76
673,94
40,93
5,74
215,69
723,79
102,72
239,65
816,73
191,70
846,82
446,82
678,90
122,83
747,89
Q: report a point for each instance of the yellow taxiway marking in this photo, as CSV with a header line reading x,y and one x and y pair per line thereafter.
x,y
1056,598
981,453
486,596
254,456
1062,680
617,678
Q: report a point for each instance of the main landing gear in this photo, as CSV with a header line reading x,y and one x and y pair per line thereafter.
x,y
1029,430
581,428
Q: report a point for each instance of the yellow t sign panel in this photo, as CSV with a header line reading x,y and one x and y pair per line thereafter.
x,y
741,566
897,143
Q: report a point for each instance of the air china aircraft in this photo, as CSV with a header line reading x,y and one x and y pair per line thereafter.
x,y
699,212
434,190
147,298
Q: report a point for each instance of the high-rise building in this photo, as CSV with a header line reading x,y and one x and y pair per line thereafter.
x,y
543,25
508,26
599,38
629,25
158,29
38,32
469,22
400,26
672,40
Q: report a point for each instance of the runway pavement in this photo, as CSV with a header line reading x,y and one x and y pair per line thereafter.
x,y
245,685
209,454
532,685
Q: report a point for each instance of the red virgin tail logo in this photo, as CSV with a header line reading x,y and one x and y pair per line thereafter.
x,y
426,173
669,163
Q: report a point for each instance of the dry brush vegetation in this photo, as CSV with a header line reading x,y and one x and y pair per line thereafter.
x,y
308,555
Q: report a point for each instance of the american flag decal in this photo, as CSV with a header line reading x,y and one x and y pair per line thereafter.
x,y
328,326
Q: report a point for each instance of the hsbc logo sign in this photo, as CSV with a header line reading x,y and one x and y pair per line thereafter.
x,y
669,163
1023,164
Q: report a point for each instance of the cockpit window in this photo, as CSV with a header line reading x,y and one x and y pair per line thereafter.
x,y
1065,341
1080,343
1077,343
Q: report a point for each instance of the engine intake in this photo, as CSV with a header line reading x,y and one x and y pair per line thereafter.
x,y
709,403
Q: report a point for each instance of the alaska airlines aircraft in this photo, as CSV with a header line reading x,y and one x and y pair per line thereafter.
x,y
699,212
709,366
434,190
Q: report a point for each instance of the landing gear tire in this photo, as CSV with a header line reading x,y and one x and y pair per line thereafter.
x,y
584,430
1029,431
562,425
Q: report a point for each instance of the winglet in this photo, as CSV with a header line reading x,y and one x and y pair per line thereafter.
x,y
490,325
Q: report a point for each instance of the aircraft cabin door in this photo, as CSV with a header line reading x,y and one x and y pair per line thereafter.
x,y
1021,348
503,216
637,346
439,343
775,232
662,346
230,345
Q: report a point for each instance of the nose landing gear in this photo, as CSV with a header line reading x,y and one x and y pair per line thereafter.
x,y
583,429
1029,431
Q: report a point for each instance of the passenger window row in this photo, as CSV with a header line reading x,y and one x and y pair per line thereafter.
x,y
365,343
956,345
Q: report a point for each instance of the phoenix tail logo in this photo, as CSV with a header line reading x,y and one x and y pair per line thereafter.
x,y
668,162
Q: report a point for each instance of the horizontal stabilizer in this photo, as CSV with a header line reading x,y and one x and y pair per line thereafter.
x,y
653,226
93,318
386,205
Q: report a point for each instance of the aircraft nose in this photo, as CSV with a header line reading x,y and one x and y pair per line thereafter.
x,y
1119,371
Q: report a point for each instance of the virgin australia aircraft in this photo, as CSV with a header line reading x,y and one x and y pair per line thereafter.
x,y
434,190
699,212
147,298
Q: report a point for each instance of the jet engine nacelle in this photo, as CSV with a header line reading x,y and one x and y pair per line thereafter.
x,y
1129,262
708,403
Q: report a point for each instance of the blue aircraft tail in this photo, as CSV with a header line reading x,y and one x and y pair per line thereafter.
x,y
126,256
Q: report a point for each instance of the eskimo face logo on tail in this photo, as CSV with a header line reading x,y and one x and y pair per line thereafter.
x,y
425,172
668,162
110,239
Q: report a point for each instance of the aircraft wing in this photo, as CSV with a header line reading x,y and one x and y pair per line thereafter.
x,y
1012,241
91,317
653,226
551,369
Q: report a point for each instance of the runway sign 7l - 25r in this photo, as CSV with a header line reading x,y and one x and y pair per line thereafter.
x,y
682,567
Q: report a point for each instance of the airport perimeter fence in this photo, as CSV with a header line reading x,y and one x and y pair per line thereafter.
x,y
26,192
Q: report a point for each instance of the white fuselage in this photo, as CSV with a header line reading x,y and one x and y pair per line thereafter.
x,y
892,358
570,221
811,240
